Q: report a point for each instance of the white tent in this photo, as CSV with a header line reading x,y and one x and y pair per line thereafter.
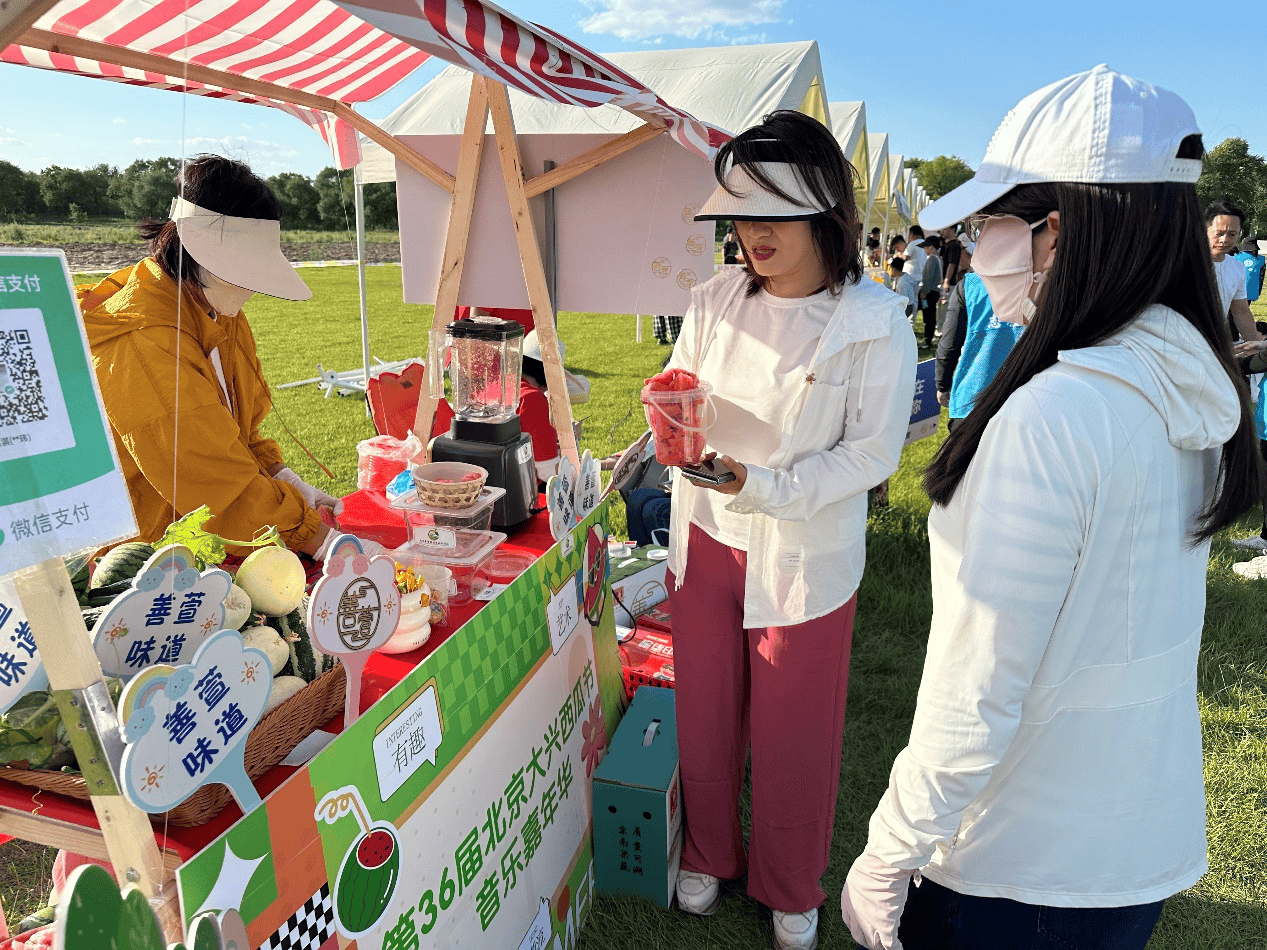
x,y
899,206
849,125
879,200
618,239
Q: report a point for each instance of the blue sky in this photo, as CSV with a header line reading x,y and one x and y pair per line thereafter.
x,y
937,76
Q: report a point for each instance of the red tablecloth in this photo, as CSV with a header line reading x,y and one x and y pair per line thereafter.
x,y
365,514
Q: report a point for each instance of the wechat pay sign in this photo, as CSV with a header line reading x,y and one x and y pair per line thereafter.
x,y
33,417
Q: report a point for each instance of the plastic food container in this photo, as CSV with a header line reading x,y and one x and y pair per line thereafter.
x,y
465,553
676,419
419,516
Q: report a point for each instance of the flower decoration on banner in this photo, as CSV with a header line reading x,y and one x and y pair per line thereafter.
x,y
354,610
571,495
594,729
21,669
94,914
187,727
171,610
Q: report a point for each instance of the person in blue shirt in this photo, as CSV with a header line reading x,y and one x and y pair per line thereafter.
x,y
1254,263
973,346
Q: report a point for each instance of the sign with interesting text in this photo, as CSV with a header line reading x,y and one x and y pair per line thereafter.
x,y
186,727
456,811
170,611
61,489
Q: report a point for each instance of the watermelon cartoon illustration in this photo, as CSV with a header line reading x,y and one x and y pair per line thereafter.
x,y
367,879
370,868
594,586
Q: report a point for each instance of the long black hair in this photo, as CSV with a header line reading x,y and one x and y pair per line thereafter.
x,y
1121,249
822,166
218,184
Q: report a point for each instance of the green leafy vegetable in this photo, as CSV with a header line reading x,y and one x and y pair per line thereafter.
x,y
208,548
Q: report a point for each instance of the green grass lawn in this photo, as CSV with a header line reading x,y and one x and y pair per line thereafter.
x,y
1226,910
50,232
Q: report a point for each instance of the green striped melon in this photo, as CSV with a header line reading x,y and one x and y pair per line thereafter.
x,y
307,661
121,563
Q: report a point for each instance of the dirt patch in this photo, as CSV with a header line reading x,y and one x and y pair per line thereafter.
x,y
97,258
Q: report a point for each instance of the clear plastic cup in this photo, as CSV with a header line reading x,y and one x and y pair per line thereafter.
x,y
677,423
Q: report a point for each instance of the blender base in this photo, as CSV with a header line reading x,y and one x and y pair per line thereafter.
x,y
509,464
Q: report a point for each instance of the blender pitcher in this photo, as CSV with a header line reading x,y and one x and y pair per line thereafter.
x,y
485,360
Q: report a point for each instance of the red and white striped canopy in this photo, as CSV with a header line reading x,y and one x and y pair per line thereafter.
x,y
312,46
532,58
349,52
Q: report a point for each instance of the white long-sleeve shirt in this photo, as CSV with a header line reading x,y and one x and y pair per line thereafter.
x,y
841,435
1055,755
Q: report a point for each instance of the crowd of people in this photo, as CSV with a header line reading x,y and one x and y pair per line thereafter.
x,y
1101,433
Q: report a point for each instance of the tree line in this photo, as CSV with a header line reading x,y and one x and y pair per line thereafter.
x,y
146,187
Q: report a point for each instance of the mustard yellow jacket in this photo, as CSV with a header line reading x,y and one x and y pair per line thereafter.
x,y
181,442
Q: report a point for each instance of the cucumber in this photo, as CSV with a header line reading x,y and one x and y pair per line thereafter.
x,y
306,660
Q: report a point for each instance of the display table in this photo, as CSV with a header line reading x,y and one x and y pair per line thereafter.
x,y
62,822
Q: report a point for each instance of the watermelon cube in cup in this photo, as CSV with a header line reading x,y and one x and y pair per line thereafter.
x,y
675,406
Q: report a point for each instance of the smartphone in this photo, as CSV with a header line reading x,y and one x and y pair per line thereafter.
x,y
709,473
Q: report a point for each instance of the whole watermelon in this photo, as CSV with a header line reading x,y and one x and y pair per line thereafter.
x,y
121,563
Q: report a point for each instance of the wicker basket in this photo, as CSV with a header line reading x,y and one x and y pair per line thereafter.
x,y
270,741
453,492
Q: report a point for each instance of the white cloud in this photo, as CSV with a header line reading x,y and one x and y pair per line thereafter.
x,y
11,139
119,120
140,141
707,19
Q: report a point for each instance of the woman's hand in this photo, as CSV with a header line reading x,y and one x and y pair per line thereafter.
x,y
727,488
1246,347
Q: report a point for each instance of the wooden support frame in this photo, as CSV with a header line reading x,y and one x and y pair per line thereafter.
x,y
119,56
534,268
62,638
591,159
17,15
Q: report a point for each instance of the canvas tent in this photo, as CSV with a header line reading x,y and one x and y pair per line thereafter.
x,y
877,205
849,125
620,239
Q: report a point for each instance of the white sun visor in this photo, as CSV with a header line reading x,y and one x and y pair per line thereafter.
x,y
245,252
751,202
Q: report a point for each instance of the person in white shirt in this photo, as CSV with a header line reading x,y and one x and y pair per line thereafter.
x,y
1223,222
915,254
812,371
1051,793
904,285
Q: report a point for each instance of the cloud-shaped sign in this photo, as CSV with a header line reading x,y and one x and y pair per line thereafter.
x,y
170,611
191,729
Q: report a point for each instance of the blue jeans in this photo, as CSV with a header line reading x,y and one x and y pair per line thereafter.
x,y
937,918
647,511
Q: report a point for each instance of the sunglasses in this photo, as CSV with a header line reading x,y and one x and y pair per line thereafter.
x,y
972,226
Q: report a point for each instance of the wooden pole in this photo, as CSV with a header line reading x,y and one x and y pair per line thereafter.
x,y
17,15
470,153
120,56
66,649
591,159
534,269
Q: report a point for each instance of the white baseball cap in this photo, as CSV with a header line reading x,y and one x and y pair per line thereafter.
x,y
1098,127
245,252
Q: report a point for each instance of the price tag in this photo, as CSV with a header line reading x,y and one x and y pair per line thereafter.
x,y
561,498
589,486
563,613
171,610
191,730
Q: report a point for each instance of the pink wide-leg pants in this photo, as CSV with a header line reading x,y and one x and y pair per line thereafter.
x,y
778,690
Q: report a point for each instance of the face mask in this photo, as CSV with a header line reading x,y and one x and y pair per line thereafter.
x,y
226,298
1004,260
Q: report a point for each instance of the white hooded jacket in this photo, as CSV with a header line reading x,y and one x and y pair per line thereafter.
x,y
842,435
1055,755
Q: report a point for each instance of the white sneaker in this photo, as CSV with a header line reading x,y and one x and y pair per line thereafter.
x,y
698,894
796,931
1251,569
1253,542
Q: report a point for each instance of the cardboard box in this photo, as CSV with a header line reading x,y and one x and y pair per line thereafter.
x,y
638,803
638,582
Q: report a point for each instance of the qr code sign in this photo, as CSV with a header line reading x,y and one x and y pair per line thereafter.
x,y
21,395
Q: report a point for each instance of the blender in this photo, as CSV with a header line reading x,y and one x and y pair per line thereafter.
x,y
485,359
